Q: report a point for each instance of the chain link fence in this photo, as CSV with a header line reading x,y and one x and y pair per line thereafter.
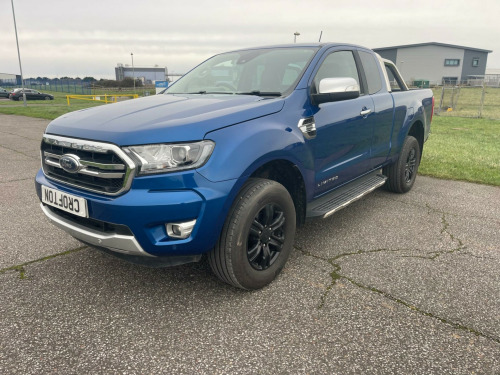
x,y
77,87
467,101
71,87
68,86
9,83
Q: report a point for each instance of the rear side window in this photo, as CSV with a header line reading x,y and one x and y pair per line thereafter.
x,y
372,72
394,79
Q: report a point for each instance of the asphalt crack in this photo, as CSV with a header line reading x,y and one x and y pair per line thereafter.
x,y
21,267
444,230
423,312
336,275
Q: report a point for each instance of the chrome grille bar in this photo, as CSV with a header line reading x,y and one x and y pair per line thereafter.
x,y
89,172
104,168
115,167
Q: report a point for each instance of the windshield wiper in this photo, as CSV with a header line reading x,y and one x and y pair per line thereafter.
x,y
260,93
203,92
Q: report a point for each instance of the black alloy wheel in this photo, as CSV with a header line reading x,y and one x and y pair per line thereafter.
x,y
410,168
401,175
257,237
266,237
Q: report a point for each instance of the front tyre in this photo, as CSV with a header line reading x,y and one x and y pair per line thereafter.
x,y
257,237
402,174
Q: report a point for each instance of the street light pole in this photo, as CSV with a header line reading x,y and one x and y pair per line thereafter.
x,y
295,35
18,53
133,71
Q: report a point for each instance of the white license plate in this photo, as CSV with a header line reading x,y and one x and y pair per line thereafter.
x,y
63,201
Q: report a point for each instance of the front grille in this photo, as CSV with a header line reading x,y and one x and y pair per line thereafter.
x,y
97,167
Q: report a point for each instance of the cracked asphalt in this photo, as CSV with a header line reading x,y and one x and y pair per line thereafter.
x,y
393,284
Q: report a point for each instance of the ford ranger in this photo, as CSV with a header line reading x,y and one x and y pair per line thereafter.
x,y
233,156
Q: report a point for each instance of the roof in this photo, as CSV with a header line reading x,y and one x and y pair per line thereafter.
x,y
299,45
431,44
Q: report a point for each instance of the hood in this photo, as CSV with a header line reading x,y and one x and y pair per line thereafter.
x,y
162,118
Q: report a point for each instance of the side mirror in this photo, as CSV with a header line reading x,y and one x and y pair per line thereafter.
x,y
335,89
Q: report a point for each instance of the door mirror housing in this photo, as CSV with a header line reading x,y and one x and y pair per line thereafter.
x,y
336,89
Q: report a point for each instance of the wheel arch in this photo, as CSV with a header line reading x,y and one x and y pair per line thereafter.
x,y
417,130
287,174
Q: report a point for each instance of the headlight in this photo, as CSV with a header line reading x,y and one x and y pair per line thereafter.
x,y
162,158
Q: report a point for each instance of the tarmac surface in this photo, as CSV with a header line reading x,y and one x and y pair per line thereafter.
x,y
393,284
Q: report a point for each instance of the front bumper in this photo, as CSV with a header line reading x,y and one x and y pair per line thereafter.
x,y
112,241
133,224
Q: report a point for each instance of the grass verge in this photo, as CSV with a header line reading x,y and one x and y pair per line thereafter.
x,y
463,149
51,109
47,109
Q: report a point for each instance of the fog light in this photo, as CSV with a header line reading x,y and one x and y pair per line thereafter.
x,y
180,230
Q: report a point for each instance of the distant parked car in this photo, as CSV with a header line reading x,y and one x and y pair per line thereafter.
x,y
17,94
3,93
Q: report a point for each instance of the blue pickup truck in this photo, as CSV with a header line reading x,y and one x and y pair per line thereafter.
x,y
233,156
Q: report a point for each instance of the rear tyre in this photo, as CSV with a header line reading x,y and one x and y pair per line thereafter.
x,y
257,237
402,174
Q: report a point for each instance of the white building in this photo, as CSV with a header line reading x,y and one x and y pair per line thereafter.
x,y
437,63
7,79
147,74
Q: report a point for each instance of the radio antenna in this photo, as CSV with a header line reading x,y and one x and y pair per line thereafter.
x,y
320,36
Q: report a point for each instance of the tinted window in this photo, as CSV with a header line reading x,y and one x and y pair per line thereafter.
x,y
336,65
372,72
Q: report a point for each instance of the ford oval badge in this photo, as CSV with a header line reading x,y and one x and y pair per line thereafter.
x,y
70,163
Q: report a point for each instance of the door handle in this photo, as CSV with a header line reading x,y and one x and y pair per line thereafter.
x,y
365,112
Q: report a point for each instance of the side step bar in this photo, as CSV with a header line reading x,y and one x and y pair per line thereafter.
x,y
342,197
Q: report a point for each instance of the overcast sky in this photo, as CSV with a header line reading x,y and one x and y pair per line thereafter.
x,y
88,38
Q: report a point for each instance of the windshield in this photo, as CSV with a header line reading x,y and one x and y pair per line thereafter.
x,y
272,72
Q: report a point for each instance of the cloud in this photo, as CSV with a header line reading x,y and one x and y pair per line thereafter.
x,y
67,38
